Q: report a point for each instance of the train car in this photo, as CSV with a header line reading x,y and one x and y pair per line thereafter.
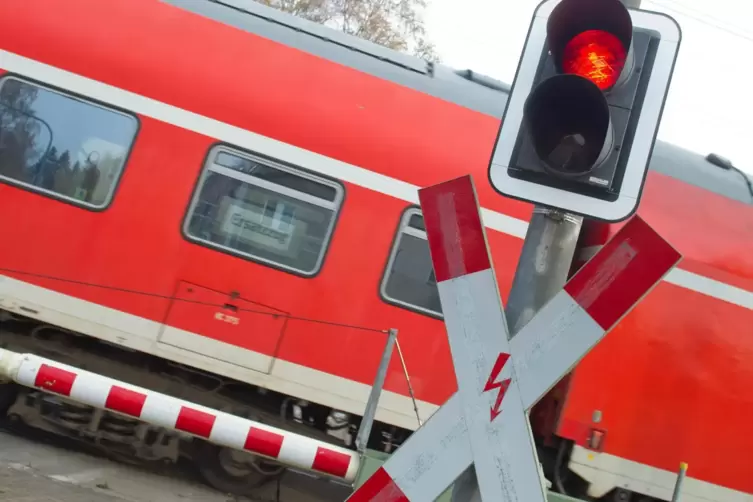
x,y
218,201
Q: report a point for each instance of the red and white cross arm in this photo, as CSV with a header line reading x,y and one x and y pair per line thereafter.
x,y
502,447
164,411
602,292
497,428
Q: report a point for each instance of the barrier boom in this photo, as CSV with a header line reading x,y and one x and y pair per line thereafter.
x,y
183,416
485,422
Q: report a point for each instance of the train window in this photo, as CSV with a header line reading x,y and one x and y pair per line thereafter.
x,y
409,279
264,211
60,145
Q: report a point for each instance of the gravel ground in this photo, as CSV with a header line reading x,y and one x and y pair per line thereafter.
x,y
37,468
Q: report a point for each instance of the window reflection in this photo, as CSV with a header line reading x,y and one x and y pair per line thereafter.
x,y
62,145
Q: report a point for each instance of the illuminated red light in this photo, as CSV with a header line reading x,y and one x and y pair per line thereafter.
x,y
596,55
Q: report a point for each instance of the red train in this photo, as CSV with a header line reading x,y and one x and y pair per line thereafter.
x,y
218,201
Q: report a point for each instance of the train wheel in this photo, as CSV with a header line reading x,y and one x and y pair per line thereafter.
x,y
234,472
620,495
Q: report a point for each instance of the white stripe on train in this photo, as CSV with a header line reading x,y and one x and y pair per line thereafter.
x,y
298,156
604,471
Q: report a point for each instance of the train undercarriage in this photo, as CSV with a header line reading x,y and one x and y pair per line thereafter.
x,y
230,471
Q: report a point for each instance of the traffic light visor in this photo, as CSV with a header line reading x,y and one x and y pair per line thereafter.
x,y
591,38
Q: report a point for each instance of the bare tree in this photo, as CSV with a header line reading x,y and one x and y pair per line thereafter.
x,y
396,24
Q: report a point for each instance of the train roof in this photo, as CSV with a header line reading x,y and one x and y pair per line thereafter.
x,y
463,87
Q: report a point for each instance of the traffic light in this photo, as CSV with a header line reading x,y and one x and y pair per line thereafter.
x,y
581,118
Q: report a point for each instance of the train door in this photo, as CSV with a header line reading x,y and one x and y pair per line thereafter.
x,y
249,333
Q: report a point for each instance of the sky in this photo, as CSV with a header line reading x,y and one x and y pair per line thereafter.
x,y
708,108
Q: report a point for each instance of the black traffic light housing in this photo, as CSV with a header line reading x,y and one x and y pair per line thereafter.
x,y
578,121
574,131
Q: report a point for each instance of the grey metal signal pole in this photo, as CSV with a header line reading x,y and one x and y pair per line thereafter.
x,y
543,267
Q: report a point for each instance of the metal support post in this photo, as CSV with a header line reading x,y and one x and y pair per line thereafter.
x,y
543,269
364,431
678,483
544,264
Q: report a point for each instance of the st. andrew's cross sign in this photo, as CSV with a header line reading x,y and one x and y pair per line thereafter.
x,y
485,423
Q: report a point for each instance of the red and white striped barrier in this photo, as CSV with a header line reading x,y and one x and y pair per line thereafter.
x,y
164,411
602,292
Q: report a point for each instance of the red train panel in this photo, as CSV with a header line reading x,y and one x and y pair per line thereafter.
x,y
352,148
